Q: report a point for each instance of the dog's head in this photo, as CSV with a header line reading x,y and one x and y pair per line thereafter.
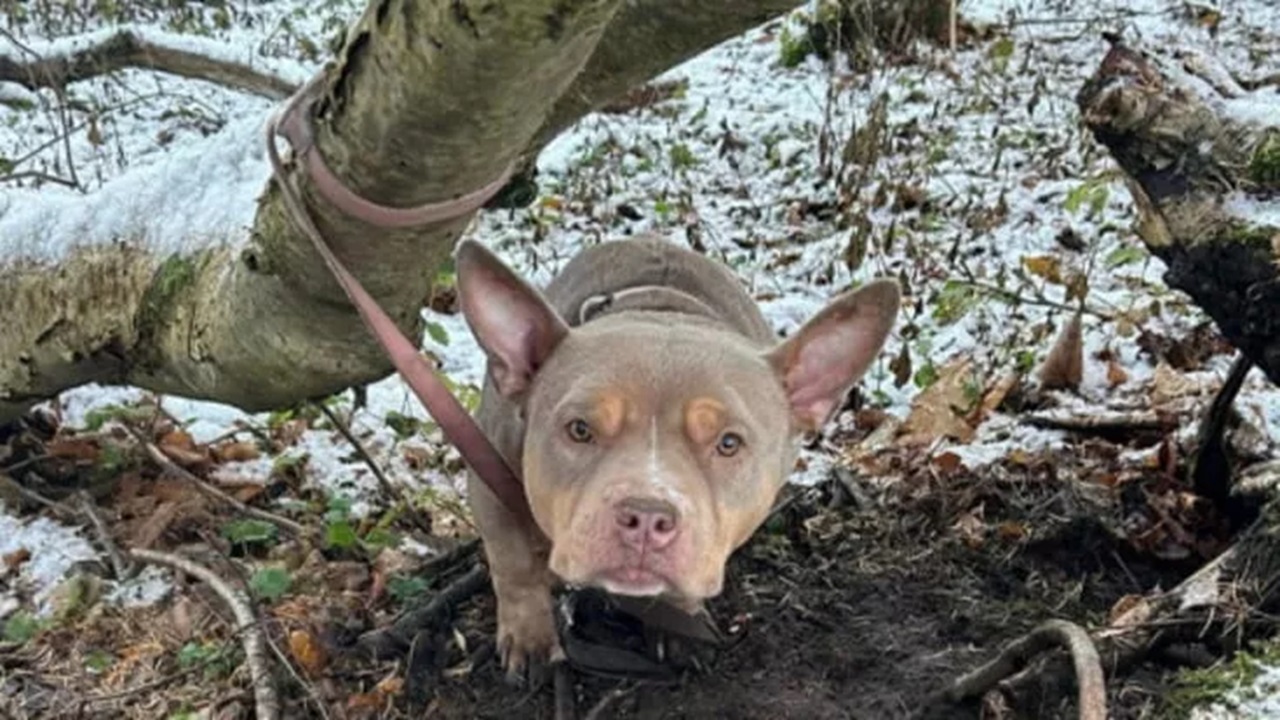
x,y
654,449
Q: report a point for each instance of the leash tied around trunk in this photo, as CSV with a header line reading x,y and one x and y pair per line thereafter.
x,y
293,122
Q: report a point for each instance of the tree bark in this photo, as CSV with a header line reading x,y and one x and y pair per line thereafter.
x,y
261,325
1202,156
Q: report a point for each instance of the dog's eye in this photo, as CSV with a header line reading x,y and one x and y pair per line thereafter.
x,y
579,431
729,444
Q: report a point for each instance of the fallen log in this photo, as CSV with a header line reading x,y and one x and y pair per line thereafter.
x,y
1202,159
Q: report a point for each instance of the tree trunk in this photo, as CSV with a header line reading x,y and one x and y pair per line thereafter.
x,y
257,322
1202,156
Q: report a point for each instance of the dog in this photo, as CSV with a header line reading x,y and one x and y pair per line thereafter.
x,y
654,416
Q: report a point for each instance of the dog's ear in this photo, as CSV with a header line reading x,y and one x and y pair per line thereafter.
x,y
829,353
513,322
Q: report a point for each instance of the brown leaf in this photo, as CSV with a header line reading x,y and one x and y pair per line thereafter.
x,y
970,527
1129,611
15,559
940,410
73,448
1044,266
236,452
1011,531
947,462
308,651
1063,368
1116,375
900,365
998,391
154,525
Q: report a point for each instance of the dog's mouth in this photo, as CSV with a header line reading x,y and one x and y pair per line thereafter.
x,y
633,580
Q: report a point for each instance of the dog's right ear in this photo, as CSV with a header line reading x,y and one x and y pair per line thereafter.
x,y
513,322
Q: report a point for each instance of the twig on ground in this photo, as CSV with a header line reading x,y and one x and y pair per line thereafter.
x,y
1101,424
173,468
26,492
1092,692
563,683
126,50
121,568
267,703
152,684
391,641
383,481
37,175
611,697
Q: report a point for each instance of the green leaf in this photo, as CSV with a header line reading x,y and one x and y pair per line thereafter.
x,y
271,583
404,588
402,425
437,333
954,301
682,157
381,538
340,535
925,376
249,531
98,661
1124,255
21,627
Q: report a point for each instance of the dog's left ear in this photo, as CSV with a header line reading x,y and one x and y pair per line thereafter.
x,y
512,321
829,354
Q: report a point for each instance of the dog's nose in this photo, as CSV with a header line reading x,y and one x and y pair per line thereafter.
x,y
646,523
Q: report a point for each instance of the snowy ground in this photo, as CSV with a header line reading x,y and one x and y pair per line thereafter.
x,y
984,180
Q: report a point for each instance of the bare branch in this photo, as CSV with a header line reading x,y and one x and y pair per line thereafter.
x,y
255,646
126,50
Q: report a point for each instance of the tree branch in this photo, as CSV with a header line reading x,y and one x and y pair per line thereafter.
x,y
126,49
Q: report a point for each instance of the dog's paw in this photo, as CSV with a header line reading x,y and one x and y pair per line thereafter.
x,y
527,640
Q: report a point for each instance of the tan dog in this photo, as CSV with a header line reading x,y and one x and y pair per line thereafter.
x,y
653,415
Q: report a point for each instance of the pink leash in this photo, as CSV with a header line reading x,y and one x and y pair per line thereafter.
x,y
293,122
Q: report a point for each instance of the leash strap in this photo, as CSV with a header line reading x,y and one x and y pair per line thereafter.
x,y
293,123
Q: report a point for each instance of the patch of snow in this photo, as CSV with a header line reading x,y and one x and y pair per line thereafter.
x,y
54,549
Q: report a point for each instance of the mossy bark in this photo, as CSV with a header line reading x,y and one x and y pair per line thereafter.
x,y
1198,156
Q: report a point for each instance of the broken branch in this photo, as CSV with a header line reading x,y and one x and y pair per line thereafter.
x,y
255,646
126,50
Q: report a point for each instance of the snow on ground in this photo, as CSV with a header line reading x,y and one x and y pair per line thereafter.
x,y
986,178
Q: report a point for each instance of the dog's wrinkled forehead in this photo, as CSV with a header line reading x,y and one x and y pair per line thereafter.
x,y
661,362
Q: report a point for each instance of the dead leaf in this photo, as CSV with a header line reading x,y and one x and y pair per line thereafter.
x,y
15,559
947,462
940,410
1063,368
236,452
1129,611
308,651
970,527
998,391
1116,375
1168,384
73,448
900,366
1044,266
154,524
1010,531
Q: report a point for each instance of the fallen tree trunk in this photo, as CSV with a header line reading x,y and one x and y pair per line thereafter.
x,y
423,104
1202,156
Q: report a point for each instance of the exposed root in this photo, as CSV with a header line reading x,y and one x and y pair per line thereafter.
x,y
256,651
1092,695
392,641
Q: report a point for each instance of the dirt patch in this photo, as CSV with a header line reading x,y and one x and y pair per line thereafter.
x,y
859,612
